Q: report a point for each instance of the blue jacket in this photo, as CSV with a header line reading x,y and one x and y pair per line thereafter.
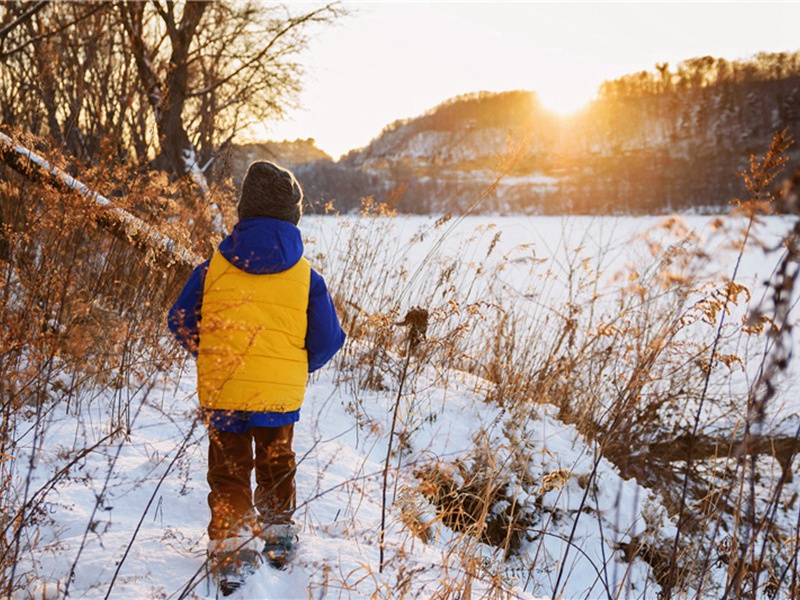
x,y
261,245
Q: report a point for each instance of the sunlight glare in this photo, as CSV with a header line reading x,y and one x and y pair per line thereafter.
x,y
563,102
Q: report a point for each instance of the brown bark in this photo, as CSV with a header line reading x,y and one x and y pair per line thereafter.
x,y
179,146
167,97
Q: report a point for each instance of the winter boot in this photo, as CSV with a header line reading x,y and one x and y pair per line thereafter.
x,y
233,560
280,542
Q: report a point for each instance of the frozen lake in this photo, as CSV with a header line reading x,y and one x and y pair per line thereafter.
x,y
420,245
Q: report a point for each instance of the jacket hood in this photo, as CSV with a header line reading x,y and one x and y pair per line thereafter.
x,y
261,245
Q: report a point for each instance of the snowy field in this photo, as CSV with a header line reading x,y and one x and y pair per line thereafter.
x,y
537,265
127,520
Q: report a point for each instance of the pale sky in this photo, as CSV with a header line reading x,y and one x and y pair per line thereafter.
x,y
395,60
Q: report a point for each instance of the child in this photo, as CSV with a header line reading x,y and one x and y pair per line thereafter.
x,y
258,319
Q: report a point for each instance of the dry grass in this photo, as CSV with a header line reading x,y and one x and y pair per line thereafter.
x,y
82,313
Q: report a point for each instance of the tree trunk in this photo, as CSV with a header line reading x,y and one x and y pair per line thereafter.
x,y
180,152
168,98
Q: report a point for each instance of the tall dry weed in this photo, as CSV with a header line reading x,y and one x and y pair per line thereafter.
x,y
82,314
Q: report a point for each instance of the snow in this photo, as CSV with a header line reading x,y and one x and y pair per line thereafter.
x,y
338,496
146,490
533,179
423,146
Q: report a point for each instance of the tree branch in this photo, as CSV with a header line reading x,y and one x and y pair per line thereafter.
x,y
117,221
37,6
46,34
292,24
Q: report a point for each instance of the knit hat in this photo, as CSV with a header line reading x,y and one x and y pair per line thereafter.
x,y
271,191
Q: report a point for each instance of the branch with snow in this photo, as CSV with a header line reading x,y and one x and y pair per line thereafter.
x,y
116,220
189,157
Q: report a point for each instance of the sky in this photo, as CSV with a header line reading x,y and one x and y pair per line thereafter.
x,y
395,60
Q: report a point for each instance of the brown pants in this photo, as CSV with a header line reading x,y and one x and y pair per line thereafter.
x,y
230,464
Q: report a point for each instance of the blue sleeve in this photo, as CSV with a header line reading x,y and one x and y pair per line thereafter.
x,y
324,336
185,313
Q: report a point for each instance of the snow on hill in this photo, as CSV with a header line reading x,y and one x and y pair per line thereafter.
x,y
433,147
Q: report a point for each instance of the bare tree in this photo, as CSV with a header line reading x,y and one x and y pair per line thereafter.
x,y
166,87
227,65
247,68
165,82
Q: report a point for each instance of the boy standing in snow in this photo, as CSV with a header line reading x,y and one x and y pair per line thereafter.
x,y
267,321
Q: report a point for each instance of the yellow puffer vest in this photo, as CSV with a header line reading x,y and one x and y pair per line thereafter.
x,y
252,353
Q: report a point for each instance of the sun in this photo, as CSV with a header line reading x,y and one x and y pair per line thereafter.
x,y
563,100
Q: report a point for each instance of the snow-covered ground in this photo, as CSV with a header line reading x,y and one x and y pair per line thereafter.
x,y
132,493
133,511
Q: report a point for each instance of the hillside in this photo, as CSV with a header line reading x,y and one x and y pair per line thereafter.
x,y
651,142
